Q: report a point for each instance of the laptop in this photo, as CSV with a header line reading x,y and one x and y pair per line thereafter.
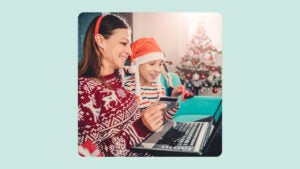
x,y
183,138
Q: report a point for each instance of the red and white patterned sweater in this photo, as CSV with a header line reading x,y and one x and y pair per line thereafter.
x,y
109,122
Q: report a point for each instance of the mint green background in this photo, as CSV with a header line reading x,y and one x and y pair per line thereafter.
x,y
38,86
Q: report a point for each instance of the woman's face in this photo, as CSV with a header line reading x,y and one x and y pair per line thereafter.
x,y
149,71
116,49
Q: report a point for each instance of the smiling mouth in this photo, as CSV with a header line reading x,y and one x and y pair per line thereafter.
x,y
123,58
153,76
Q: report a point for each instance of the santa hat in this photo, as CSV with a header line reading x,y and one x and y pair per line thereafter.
x,y
144,50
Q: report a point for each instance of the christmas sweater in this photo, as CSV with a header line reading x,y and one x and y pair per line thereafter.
x,y
149,95
109,122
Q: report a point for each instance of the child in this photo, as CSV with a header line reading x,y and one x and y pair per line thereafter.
x,y
147,60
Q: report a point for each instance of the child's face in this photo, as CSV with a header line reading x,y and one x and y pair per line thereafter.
x,y
149,71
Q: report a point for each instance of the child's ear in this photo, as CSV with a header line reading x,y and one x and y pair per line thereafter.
x,y
99,40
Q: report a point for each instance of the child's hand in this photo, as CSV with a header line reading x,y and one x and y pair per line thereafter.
x,y
176,91
186,94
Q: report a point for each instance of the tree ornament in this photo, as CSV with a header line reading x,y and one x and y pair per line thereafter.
x,y
191,53
188,95
213,68
188,75
195,76
187,64
201,50
211,58
215,90
196,52
189,85
202,76
210,79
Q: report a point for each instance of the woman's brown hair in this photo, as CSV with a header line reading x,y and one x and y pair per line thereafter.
x,y
89,65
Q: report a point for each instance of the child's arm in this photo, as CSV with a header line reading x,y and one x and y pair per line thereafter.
x,y
176,91
169,115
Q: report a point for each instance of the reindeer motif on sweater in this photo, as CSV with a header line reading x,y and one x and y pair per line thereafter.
x,y
110,98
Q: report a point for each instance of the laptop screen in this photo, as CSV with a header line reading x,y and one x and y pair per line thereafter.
x,y
218,112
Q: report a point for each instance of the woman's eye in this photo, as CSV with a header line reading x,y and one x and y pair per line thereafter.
x,y
123,43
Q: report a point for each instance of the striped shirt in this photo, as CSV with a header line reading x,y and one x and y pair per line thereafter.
x,y
149,95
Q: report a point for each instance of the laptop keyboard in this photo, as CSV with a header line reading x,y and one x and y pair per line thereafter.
x,y
182,136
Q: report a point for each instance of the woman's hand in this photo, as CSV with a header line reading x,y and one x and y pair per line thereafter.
x,y
152,117
176,91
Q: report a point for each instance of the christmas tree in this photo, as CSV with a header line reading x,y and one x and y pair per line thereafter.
x,y
198,69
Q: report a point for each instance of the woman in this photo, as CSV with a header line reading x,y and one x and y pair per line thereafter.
x,y
109,121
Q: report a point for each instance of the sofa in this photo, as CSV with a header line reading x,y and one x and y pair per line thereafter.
x,y
195,108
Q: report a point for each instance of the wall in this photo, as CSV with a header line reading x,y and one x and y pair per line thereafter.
x,y
174,30
84,20
169,29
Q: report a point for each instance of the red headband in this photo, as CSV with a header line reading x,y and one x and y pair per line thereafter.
x,y
98,25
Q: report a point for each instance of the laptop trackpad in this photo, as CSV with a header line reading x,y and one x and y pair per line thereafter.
x,y
157,135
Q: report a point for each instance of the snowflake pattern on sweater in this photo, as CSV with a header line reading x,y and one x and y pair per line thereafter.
x,y
109,118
